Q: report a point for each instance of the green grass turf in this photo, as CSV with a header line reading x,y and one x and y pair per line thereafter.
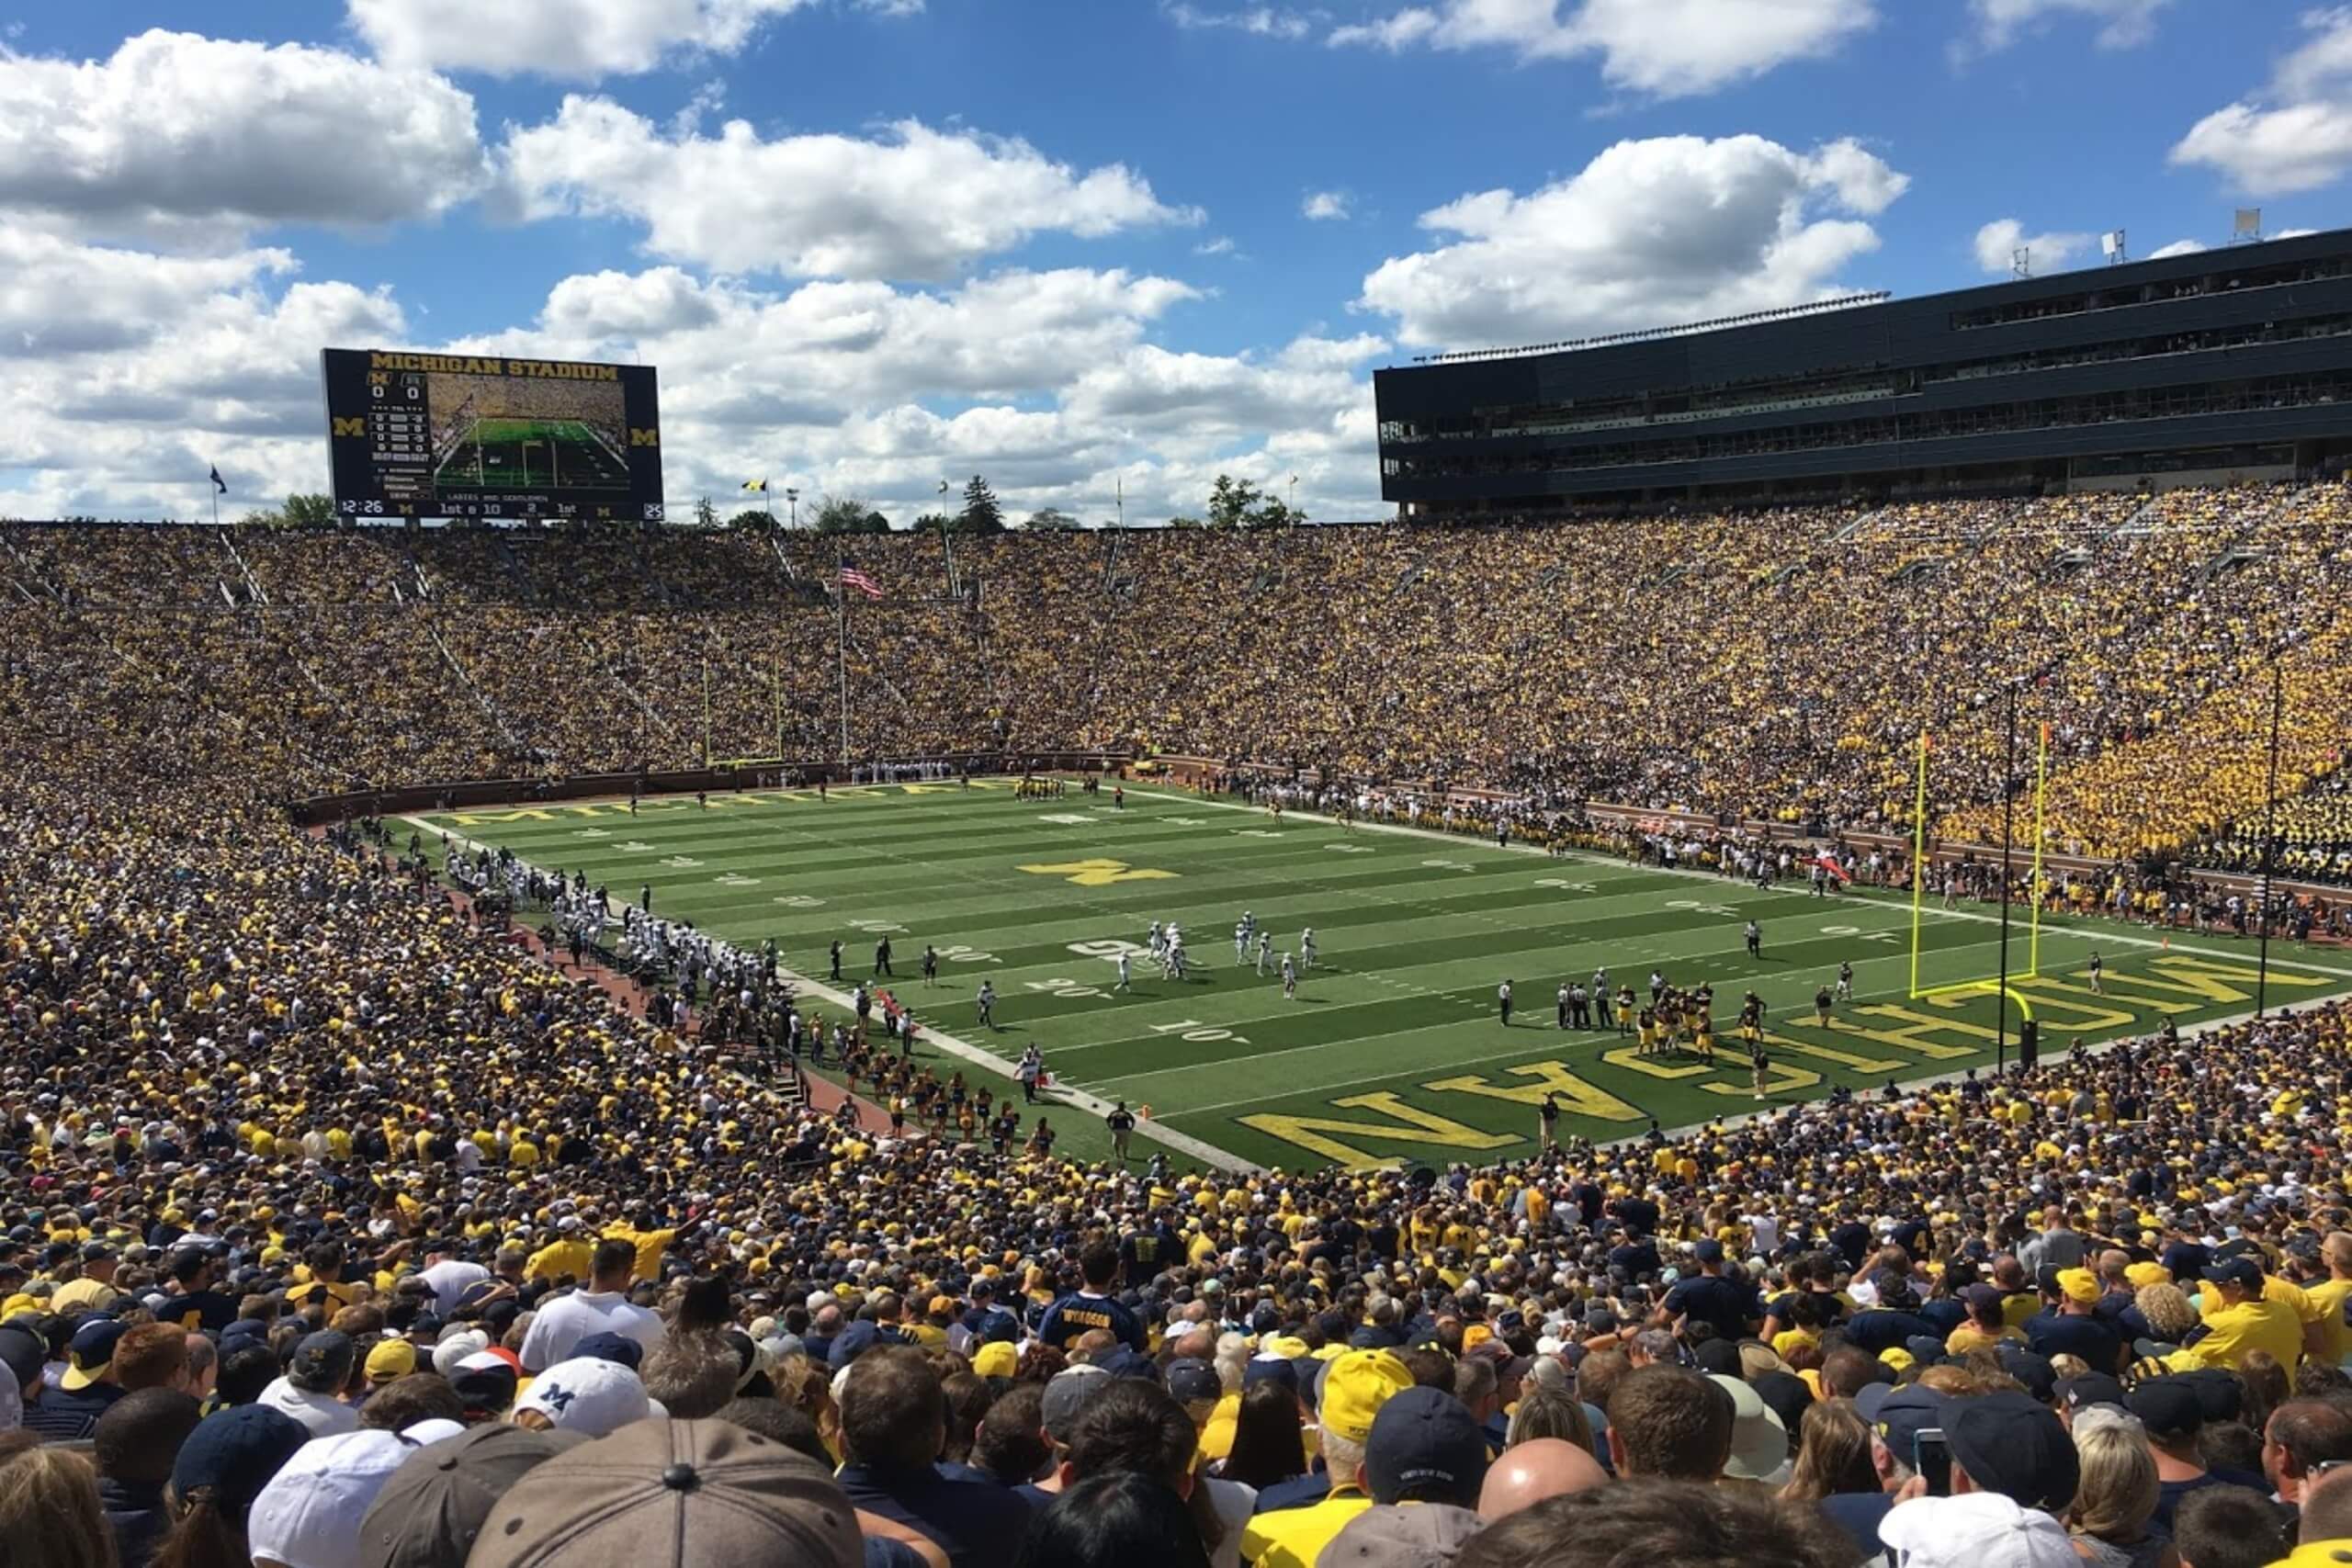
x,y
585,463
1393,1049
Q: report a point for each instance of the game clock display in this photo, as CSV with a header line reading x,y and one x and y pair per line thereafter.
x,y
468,435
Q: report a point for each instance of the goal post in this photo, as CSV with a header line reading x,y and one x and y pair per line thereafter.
x,y
2036,889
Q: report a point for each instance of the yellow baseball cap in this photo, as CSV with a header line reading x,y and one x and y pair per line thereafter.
x,y
995,1360
2080,1285
390,1359
1354,1388
2144,1274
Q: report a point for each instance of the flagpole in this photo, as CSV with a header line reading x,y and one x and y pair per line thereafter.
x,y
776,681
841,646
705,712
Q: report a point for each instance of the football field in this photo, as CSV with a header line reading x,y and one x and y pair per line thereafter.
x,y
1392,1048
533,453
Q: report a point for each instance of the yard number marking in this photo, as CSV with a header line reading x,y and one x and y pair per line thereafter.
x,y
1097,871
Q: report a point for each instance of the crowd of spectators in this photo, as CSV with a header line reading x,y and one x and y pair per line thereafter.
x,y
1775,664
338,1228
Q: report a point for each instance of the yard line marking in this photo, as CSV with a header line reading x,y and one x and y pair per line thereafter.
x,y
1183,1143
2121,937
1483,1004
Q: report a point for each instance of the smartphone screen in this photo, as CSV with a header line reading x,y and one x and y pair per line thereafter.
x,y
1932,1459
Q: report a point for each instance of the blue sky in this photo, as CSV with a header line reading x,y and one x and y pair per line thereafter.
x,y
1079,247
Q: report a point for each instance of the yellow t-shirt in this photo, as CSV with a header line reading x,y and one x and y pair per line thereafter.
x,y
2251,1326
2327,1303
1968,1336
649,1245
560,1257
1295,1537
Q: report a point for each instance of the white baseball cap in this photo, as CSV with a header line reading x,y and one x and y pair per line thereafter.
x,y
587,1396
453,1349
1978,1530
308,1516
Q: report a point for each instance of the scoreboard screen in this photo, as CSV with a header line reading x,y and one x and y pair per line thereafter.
x,y
466,435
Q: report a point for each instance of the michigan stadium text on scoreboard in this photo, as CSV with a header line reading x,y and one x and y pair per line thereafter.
x,y
470,436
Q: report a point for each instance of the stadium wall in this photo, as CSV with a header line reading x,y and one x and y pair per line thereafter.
x,y
2221,363
761,773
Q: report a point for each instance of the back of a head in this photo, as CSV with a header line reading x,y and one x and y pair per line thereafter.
x,y
612,1263
1660,1523
403,1402
1098,1265
140,1434
2231,1527
1010,1444
1133,1427
50,1515
2117,1489
1123,1518
245,1374
693,1375
1530,1472
2312,1431
1848,1370
1549,1412
892,1410
779,1423
2327,1507
151,1356
1669,1422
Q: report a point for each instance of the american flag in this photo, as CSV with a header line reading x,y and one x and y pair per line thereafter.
x,y
853,578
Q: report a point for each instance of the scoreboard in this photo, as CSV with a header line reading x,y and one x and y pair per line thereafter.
x,y
470,435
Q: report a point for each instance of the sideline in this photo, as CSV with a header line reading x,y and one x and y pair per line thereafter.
x,y
1183,1143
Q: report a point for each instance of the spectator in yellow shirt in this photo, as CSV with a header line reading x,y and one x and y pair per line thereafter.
x,y
2327,1300
2238,1320
569,1253
1987,1326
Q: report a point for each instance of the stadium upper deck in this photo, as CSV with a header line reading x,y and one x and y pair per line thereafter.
x,y
2225,364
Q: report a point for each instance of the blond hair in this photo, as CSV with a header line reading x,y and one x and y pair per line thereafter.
x,y
49,1508
2166,1308
2118,1490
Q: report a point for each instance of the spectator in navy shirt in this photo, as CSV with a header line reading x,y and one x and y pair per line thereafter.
x,y
1092,1306
1894,1321
894,1427
987,1320
2070,1323
1729,1305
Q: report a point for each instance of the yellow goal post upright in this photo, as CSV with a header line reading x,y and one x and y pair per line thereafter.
x,y
1919,851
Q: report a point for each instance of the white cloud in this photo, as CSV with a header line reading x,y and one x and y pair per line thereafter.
x,y
1663,48
576,41
2298,135
1647,234
1325,207
1222,245
2177,248
1998,241
1047,381
58,298
101,423
178,132
1258,21
2123,24
916,203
